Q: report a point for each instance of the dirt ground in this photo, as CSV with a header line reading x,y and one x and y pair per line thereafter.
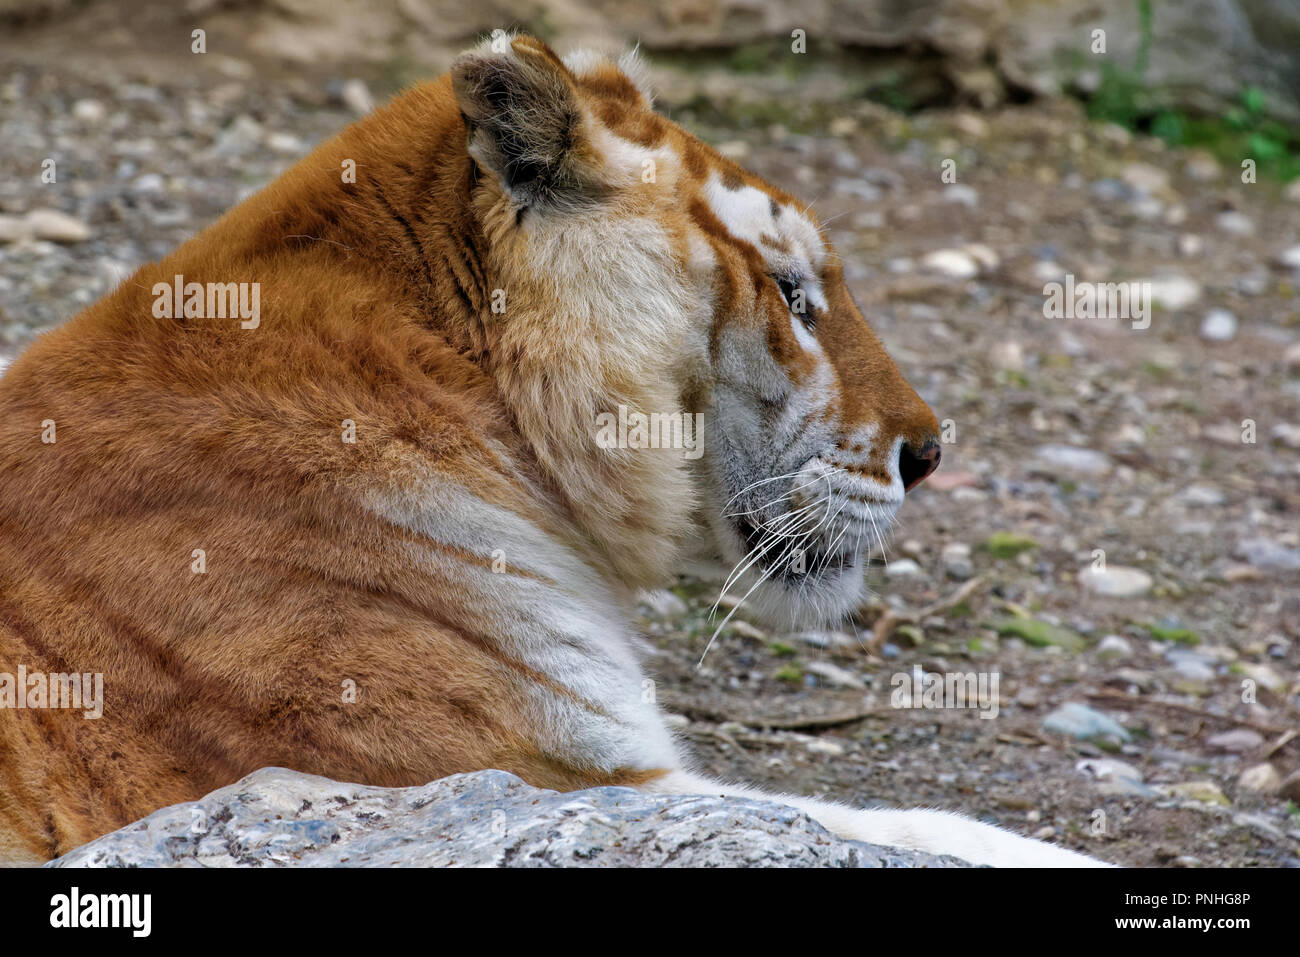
x,y
1065,437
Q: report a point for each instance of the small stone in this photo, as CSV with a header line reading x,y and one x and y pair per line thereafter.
x,y
1267,554
1108,769
1235,223
1008,356
1286,434
825,746
1201,496
57,227
1115,581
967,196
661,603
1114,648
1203,167
956,561
1236,741
823,639
14,229
1174,292
1261,674
1142,176
952,263
1289,258
1291,358
903,568
1260,779
1190,245
1205,791
834,675
1292,191
1082,722
89,111
1219,325
356,96
1050,459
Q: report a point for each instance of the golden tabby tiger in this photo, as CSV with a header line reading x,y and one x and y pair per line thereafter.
x,y
325,488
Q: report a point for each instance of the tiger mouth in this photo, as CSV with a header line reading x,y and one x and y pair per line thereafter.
x,y
812,560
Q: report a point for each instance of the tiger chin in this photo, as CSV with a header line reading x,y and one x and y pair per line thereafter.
x,y
369,533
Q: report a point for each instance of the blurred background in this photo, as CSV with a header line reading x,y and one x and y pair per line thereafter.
x,y
1115,530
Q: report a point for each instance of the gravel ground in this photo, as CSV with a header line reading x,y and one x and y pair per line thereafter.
x,y
1066,438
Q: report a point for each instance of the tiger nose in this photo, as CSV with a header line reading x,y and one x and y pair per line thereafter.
x,y
916,463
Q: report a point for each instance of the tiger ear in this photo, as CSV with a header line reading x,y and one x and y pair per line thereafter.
x,y
524,120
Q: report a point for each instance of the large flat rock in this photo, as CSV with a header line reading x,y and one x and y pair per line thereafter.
x,y
275,817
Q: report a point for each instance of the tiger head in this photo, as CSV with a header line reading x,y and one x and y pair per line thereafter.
x,y
651,274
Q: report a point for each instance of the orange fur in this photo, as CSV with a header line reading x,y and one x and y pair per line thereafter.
x,y
192,433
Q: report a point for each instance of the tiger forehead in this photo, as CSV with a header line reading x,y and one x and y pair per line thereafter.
x,y
780,230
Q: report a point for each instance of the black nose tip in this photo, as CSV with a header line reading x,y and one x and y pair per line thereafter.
x,y
916,464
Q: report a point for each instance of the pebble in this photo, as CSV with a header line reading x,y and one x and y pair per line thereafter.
x,y
953,263
1070,458
825,746
1260,779
1174,292
1115,777
1289,258
1265,553
89,111
1114,648
1202,167
1206,791
356,96
661,603
967,196
945,481
1115,581
1145,177
1082,722
1201,496
823,639
835,675
57,227
1190,245
1291,358
1008,356
1287,434
1235,223
1261,674
1236,741
14,229
902,568
956,561
1219,325
1292,192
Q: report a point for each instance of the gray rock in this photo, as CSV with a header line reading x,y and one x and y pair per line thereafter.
x,y
1219,325
1079,721
1264,553
1115,581
1114,648
1236,741
661,603
1068,458
956,559
276,818
57,227
1260,779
